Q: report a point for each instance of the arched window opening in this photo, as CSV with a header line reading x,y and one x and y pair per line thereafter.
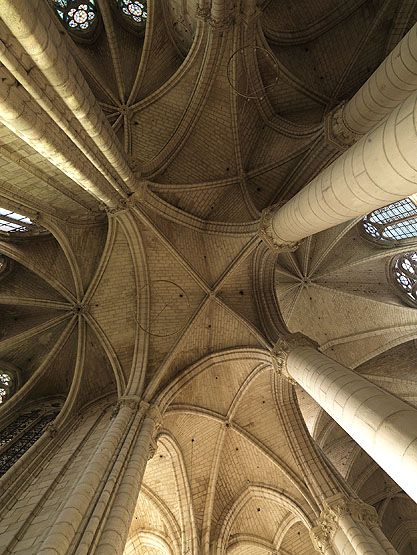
x,y
10,222
395,222
13,224
7,386
22,433
405,274
134,10
80,16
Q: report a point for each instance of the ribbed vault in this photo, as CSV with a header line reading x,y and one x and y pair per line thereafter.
x,y
150,177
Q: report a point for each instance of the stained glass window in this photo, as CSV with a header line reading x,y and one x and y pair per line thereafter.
x,y
405,273
394,222
6,386
21,434
133,9
77,15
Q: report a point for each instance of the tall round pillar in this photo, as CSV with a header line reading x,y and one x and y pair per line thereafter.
x,y
379,169
387,87
346,527
383,425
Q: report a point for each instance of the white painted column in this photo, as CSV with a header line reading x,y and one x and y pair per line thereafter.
x,y
383,425
379,169
362,541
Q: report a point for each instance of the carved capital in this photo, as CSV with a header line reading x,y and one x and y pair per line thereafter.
x,y
131,401
359,511
121,206
337,131
322,534
282,349
219,24
267,234
367,514
203,13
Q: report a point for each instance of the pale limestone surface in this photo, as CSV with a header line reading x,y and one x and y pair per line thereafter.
x,y
152,312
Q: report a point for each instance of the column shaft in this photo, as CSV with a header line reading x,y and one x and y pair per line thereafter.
x,y
116,528
66,526
383,540
379,169
363,543
383,425
32,25
387,87
19,114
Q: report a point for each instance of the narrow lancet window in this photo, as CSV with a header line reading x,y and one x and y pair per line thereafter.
x,y
6,386
405,274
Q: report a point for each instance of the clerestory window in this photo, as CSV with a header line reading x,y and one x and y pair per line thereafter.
x,y
79,16
7,386
16,225
11,222
405,273
136,12
395,222
18,436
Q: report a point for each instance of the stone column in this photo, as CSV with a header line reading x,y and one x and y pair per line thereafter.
x,y
346,527
116,529
379,169
383,425
20,114
32,24
100,507
388,86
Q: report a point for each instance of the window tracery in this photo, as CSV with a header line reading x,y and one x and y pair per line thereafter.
x,y
22,433
77,15
134,10
10,222
394,222
13,224
6,386
405,274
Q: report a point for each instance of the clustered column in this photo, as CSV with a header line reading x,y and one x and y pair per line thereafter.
x,y
349,527
101,506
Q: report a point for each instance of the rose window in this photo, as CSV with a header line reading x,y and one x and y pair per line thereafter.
x,y
136,11
77,15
